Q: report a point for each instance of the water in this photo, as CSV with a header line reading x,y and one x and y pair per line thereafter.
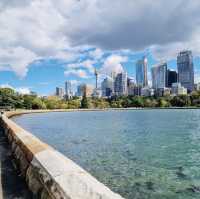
x,y
145,154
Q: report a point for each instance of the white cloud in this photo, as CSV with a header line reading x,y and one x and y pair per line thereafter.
x,y
113,64
96,54
77,73
17,60
23,90
62,29
87,64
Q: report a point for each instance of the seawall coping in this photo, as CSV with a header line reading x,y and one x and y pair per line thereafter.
x,y
49,173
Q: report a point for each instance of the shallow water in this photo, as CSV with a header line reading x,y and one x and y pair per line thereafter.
x,y
141,154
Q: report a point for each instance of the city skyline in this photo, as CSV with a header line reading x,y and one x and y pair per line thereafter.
x,y
165,81
40,52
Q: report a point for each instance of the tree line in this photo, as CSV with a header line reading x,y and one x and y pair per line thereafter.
x,y
9,98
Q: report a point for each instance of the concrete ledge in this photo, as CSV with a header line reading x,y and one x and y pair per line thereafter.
x,y
48,173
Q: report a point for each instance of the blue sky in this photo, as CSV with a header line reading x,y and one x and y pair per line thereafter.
x,y
44,43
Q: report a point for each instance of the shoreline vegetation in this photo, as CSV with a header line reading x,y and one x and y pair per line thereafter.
x,y
9,98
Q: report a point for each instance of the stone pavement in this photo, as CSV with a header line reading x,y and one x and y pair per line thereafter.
x,y
11,185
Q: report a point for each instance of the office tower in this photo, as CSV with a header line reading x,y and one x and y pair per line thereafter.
x,y
84,89
131,86
107,87
186,70
172,77
159,76
141,72
120,84
68,90
59,92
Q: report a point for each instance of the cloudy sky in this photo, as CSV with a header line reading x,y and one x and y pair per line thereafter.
x,y
43,43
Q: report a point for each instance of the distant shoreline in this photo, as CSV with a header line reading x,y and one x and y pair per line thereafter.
x,y
10,114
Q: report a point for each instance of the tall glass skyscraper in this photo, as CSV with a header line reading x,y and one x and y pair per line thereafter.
x,y
120,84
159,76
186,70
141,72
68,89
172,77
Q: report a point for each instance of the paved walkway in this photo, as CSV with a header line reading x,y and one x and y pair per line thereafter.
x,y
11,185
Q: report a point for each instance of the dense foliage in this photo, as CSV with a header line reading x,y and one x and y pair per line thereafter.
x,y
9,98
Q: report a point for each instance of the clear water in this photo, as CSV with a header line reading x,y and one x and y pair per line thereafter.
x,y
146,154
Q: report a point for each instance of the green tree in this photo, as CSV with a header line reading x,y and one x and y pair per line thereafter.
x,y
84,102
163,103
37,103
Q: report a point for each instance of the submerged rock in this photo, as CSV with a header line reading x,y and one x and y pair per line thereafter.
x,y
150,185
180,173
194,189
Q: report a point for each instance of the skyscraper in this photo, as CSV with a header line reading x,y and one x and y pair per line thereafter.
x,y
107,87
172,77
84,89
159,76
59,92
68,89
141,72
120,85
186,70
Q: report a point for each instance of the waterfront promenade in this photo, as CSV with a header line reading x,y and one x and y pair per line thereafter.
x,y
11,184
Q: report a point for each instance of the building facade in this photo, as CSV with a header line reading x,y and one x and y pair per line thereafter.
x,y
147,92
107,87
131,87
159,76
177,89
172,77
186,70
84,89
68,90
120,84
59,92
141,72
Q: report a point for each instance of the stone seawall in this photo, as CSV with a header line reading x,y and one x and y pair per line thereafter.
x,y
48,173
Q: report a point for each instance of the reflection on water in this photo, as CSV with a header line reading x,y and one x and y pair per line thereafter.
x,y
147,154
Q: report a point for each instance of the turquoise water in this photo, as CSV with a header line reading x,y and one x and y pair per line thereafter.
x,y
145,154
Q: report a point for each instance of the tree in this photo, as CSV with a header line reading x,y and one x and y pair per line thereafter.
x,y
84,102
37,103
181,101
163,103
8,97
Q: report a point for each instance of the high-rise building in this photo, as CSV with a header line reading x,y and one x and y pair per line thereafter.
x,y
120,84
131,86
172,77
107,87
141,72
84,89
68,90
186,70
59,92
159,76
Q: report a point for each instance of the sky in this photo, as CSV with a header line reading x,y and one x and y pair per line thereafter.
x,y
43,43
